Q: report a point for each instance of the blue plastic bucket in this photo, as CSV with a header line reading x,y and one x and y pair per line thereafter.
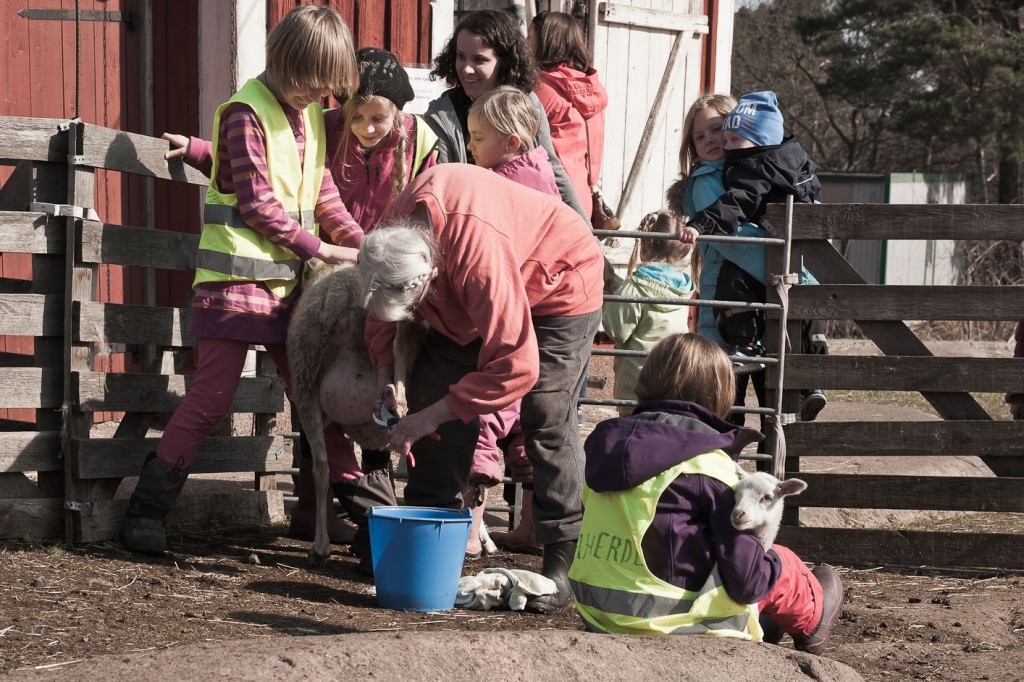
x,y
417,556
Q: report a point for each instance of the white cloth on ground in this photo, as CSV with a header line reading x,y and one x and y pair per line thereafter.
x,y
492,588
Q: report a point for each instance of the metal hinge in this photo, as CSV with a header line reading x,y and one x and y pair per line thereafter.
x,y
65,210
83,507
126,17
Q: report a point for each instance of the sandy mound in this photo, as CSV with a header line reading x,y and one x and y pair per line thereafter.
x,y
548,655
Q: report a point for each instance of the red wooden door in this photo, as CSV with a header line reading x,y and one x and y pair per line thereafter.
x,y
56,64
402,26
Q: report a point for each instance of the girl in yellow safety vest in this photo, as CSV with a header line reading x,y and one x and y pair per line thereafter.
x,y
373,150
657,552
267,199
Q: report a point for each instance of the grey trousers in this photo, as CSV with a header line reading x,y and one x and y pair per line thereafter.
x,y
548,421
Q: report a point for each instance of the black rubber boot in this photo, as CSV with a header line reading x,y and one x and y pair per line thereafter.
x,y
557,560
159,486
372,490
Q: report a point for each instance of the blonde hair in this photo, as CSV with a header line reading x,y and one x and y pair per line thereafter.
x,y
398,132
312,47
396,265
689,367
722,104
671,251
511,112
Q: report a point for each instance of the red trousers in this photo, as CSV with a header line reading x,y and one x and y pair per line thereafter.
x,y
795,603
209,398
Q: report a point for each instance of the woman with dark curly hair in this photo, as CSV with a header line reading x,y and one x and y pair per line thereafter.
x,y
487,50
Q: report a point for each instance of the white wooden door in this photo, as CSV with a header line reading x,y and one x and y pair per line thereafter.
x,y
648,55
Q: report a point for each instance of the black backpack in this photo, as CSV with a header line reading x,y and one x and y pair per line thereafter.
x,y
739,326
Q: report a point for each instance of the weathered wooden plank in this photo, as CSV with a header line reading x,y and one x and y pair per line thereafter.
x,y
194,513
894,338
890,302
16,360
16,485
903,373
630,15
77,357
33,519
873,547
96,391
113,323
30,451
11,285
31,315
903,221
133,153
30,387
113,457
991,439
25,232
949,493
32,139
139,246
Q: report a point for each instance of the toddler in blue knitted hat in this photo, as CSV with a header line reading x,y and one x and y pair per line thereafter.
x,y
762,166
755,118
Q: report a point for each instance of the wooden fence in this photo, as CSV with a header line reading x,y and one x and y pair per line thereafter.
x,y
58,481
907,365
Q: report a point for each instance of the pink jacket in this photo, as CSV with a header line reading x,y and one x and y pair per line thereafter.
x,y
364,181
507,253
571,97
531,169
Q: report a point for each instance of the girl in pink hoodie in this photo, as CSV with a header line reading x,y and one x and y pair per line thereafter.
x,y
572,96
502,126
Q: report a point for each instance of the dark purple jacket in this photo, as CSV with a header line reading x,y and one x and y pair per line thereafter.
x,y
691,529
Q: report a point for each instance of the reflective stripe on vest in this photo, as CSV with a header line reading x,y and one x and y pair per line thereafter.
x,y
231,251
614,589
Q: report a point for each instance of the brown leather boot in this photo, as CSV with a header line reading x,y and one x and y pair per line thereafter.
x,y
832,600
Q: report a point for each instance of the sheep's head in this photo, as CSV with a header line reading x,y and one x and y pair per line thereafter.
x,y
759,497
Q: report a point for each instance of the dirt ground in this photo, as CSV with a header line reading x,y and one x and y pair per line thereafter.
x,y
247,606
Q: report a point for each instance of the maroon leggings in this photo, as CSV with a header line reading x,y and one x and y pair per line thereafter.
x,y
209,398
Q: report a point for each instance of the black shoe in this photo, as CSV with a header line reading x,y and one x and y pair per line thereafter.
x,y
356,496
155,494
557,561
772,632
812,405
832,599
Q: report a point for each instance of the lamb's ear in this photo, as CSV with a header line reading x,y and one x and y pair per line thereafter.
x,y
791,486
743,473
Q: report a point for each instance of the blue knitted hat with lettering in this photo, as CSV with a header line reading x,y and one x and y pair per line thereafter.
x,y
756,117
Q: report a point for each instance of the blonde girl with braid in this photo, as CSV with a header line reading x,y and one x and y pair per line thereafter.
x,y
639,325
377,149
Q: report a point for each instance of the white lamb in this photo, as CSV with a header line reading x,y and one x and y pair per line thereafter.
x,y
759,499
